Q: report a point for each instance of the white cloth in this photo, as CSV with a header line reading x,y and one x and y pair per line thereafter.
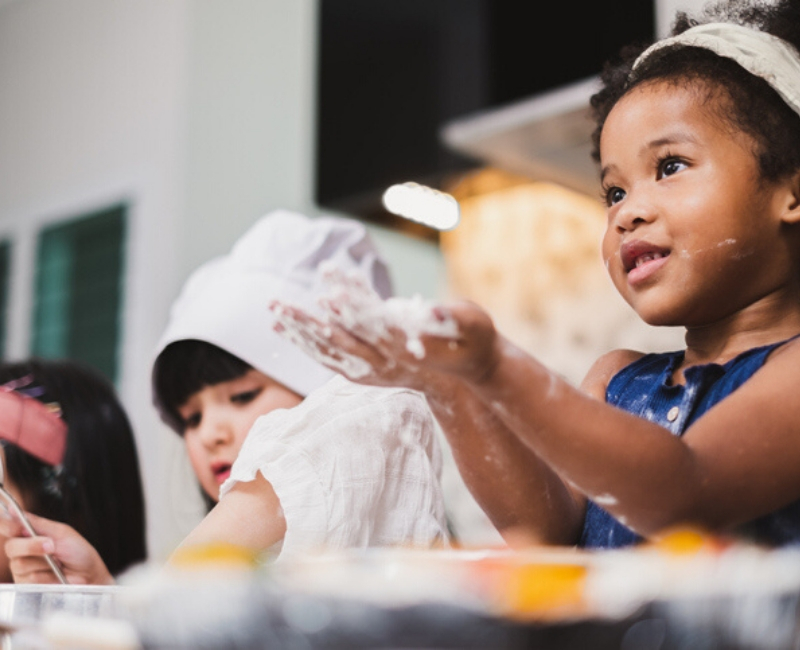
x,y
352,466
760,53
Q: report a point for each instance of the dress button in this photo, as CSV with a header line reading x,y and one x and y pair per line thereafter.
x,y
673,413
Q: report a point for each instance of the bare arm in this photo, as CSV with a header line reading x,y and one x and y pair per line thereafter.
x,y
519,491
736,463
249,515
521,495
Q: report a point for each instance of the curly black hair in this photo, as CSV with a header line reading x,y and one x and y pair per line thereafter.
x,y
753,106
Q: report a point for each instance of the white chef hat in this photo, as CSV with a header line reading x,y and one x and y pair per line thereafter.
x,y
225,301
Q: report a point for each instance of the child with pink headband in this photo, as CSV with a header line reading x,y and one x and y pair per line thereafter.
x,y
698,142
70,460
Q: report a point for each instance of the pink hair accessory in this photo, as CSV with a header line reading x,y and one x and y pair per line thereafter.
x,y
32,426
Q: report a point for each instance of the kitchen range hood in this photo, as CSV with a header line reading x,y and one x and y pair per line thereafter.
x,y
546,137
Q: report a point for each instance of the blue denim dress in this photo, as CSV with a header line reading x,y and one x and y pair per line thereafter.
x,y
644,389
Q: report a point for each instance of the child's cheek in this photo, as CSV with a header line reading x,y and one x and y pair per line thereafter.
x,y
198,458
613,264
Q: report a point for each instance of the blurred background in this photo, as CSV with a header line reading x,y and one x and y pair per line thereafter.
x,y
140,138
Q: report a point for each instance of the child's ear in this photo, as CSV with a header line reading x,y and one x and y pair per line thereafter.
x,y
791,205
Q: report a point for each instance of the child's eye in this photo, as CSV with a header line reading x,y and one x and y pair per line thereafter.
x,y
192,421
670,166
245,397
613,195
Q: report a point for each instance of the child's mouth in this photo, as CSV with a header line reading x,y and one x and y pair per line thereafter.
x,y
221,472
640,259
647,257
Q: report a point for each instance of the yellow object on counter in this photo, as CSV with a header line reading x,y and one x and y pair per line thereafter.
x,y
545,590
219,555
687,541
534,588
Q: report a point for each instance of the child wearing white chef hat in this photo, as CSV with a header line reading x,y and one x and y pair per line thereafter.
x,y
326,463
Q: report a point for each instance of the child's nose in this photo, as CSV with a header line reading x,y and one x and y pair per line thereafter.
x,y
215,430
635,210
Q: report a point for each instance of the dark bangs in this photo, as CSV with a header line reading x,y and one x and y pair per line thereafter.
x,y
184,368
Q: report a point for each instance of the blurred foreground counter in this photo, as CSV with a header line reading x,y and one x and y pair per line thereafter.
x,y
686,592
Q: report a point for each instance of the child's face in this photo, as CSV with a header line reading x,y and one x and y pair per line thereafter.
x,y
693,234
218,418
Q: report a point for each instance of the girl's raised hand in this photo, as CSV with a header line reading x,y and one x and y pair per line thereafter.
x,y
78,559
360,360
390,342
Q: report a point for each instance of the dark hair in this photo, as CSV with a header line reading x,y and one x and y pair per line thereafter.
x,y
753,106
184,368
98,489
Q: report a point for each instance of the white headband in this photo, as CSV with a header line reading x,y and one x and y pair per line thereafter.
x,y
761,54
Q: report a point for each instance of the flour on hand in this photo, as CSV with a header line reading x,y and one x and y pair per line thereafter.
x,y
356,307
349,302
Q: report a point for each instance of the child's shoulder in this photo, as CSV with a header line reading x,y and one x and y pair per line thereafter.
x,y
602,370
783,361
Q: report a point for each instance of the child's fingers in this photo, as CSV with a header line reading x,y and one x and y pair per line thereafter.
x,y
343,342
415,343
352,304
20,548
47,527
371,324
316,340
79,560
340,349
288,315
299,327
455,338
10,526
26,559
32,570
362,321
368,328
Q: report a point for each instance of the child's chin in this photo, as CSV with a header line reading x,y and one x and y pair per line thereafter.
x,y
654,311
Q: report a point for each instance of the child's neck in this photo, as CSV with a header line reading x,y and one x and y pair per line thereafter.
x,y
722,341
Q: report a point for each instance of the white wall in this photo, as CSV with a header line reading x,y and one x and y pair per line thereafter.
x,y
200,114
90,114
251,132
250,118
666,9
